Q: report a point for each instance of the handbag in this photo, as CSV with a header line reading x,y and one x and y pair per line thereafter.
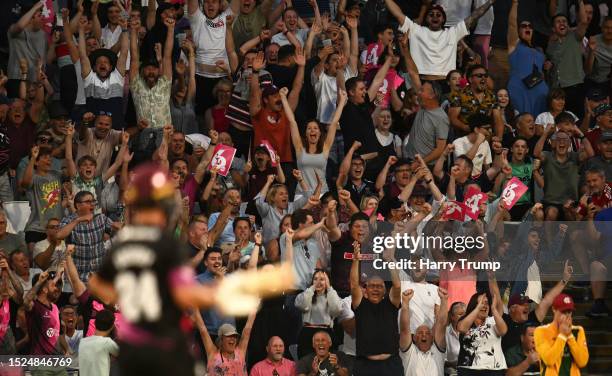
x,y
534,78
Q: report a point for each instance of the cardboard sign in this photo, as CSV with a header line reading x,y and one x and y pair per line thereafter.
x,y
514,190
271,151
222,159
473,198
455,211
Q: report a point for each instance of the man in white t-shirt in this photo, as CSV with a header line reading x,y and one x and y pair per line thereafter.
x,y
475,145
425,301
433,48
418,353
208,31
329,75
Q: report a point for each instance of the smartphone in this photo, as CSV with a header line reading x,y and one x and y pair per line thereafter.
x,y
125,15
248,72
180,37
327,42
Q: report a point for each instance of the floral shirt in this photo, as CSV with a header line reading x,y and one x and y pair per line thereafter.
x,y
481,348
153,103
470,105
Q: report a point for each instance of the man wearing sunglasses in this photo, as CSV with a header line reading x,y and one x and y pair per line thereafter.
x,y
476,98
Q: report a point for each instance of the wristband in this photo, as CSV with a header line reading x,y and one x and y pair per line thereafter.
x,y
213,144
124,30
258,245
428,181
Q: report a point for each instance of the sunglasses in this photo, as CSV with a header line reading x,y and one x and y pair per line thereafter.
x,y
526,26
105,113
43,140
480,75
92,202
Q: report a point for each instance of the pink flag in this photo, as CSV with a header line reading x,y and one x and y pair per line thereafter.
x,y
222,159
273,155
514,190
455,211
472,199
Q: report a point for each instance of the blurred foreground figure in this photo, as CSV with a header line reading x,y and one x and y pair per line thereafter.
x,y
147,274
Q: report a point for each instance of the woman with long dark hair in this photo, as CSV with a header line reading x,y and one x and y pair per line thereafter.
x,y
319,304
528,93
482,328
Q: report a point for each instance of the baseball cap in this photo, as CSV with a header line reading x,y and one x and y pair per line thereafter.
x,y
605,136
227,330
269,90
596,94
150,187
601,109
563,302
261,149
518,299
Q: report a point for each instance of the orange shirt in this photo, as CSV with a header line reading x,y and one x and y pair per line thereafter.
x,y
553,346
274,127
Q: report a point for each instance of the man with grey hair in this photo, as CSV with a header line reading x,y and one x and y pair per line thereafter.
x,y
429,131
274,363
322,361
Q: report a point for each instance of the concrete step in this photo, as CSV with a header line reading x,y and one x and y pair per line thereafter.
x,y
600,365
600,351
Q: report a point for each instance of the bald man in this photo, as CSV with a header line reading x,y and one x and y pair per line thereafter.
x,y
274,364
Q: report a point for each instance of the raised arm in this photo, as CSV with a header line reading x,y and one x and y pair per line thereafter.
x,y
405,335
395,293
583,23
356,293
295,132
439,328
345,166
379,79
298,80
168,46
124,47
85,64
246,331
209,345
513,37
70,165
230,47
151,10
96,28
255,94
546,302
333,127
23,22
191,87
466,322
112,170
395,10
471,20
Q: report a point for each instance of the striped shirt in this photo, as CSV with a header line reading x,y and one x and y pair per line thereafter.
x,y
88,238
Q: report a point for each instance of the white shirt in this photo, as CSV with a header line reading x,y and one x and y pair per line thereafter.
x,y
456,10
418,363
112,87
483,154
434,52
209,38
534,285
326,90
41,246
281,39
452,344
485,345
348,347
485,23
423,303
94,355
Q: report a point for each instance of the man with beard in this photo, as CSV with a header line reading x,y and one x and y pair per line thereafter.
x,y
251,19
275,363
474,99
565,52
322,362
433,48
418,353
98,142
208,30
151,84
103,83
43,315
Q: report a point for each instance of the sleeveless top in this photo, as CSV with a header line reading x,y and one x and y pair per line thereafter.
x,y
221,123
220,366
309,164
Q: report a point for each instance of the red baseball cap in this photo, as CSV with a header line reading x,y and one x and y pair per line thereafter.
x,y
518,299
563,302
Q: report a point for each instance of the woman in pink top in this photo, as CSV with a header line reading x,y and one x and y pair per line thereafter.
x,y
227,356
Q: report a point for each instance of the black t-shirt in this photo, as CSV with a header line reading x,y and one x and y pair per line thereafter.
x,y
143,266
376,330
499,32
341,263
513,335
357,125
367,188
304,365
281,75
5,150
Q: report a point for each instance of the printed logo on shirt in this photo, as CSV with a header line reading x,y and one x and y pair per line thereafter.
x,y
215,24
51,332
51,195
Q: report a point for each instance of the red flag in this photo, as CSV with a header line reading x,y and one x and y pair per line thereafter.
x,y
514,190
222,159
271,151
455,211
473,198
48,16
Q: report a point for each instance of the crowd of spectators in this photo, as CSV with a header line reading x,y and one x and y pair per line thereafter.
x,y
345,120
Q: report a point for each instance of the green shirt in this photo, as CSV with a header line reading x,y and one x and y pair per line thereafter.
x,y
566,56
248,26
561,179
514,356
524,171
